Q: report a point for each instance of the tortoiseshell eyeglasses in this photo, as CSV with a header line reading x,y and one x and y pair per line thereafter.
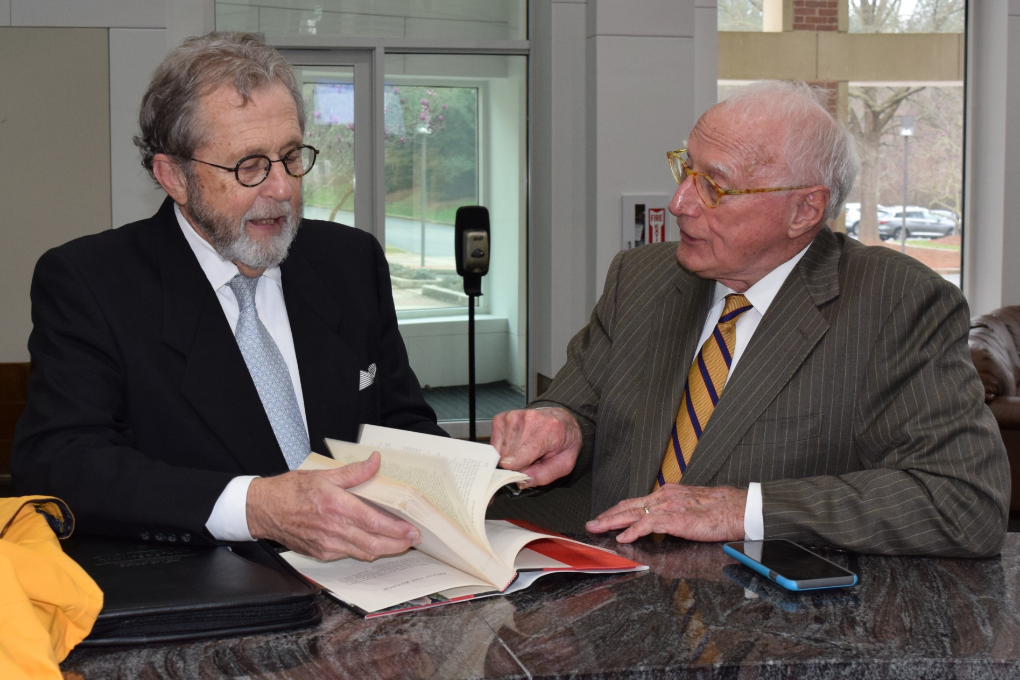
x,y
710,192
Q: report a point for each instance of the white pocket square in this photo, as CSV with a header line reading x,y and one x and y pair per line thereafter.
x,y
367,377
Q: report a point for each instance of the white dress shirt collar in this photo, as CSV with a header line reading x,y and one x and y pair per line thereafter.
x,y
762,293
217,270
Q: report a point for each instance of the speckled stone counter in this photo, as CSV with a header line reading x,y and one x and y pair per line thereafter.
x,y
695,614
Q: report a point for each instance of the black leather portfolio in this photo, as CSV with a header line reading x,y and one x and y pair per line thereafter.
x,y
167,592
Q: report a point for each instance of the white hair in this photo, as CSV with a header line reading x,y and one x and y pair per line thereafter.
x,y
818,149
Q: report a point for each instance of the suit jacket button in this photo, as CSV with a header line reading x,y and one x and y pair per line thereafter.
x,y
172,538
160,537
144,535
185,538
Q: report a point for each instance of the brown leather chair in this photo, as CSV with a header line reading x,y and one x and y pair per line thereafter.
x,y
995,349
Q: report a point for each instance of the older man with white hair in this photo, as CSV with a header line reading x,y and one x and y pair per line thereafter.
x,y
768,378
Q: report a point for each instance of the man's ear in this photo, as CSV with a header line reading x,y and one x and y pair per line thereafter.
x,y
810,211
171,177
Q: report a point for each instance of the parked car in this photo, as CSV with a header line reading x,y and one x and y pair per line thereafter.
x,y
852,213
920,222
949,215
853,218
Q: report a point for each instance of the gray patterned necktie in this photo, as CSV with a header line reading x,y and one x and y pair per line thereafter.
x,y
269,372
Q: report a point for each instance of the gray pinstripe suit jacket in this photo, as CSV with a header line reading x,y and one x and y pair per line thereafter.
x,y
855,404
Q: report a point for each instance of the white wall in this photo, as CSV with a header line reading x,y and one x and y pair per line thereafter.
x,y
991,236
141,32
507,175
572,289
561,269
641,103
54,157
89,13
1011,174
540,155
614,85
706,55
134,55
437,349
114,189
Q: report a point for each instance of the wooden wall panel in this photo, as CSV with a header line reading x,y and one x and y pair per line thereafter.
x,y
13,392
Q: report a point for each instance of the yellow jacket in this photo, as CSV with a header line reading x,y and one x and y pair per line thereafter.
x,y
48,603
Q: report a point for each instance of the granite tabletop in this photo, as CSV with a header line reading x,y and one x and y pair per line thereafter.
x,y
695,614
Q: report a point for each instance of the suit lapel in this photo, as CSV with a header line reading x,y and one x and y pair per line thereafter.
x,y
673,339
216,381
787,334
326,360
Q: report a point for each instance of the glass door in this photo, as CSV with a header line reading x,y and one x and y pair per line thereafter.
x,y
336,85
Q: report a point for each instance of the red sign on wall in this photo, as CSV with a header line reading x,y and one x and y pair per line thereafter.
x,y
656,225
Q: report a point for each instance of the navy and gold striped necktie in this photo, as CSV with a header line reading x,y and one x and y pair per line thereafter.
x,y
705,382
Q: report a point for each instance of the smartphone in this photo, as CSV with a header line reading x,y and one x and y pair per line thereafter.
x,y
790,565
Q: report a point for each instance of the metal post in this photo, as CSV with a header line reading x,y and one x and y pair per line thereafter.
x,y
424,151
471,368
903,215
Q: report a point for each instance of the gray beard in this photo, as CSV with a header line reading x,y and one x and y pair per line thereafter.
x,y
231,240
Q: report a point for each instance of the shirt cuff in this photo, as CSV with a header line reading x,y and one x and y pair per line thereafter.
x,y
754,522
228,520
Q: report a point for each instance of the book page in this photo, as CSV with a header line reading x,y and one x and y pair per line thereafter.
x,y
431,476
384,583
471,464
440,537
501,478
508,540
529,559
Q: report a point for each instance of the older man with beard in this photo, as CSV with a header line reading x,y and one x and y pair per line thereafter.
x,y
185,365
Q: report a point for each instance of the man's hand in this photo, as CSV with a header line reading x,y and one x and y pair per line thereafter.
x,y
697,513
542,444
312,513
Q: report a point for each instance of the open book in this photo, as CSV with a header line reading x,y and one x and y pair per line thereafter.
x,y
442,486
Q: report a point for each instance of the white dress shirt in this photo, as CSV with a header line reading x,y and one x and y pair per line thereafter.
x,y
760,295
229,520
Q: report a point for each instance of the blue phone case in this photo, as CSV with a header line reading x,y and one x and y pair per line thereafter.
x,y
773,576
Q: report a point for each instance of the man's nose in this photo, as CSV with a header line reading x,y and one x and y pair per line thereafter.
x,y
685,201
278,184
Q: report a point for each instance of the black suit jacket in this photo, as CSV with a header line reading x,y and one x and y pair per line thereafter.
x,y
140,406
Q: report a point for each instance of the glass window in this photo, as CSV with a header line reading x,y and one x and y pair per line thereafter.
x,y
456,134
740,15
876,85
907,16
329,127
395,19
431,170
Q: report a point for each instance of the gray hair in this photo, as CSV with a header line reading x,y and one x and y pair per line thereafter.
x,y
818,149
169,118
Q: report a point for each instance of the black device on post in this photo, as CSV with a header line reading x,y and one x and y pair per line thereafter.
x,y
472,256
